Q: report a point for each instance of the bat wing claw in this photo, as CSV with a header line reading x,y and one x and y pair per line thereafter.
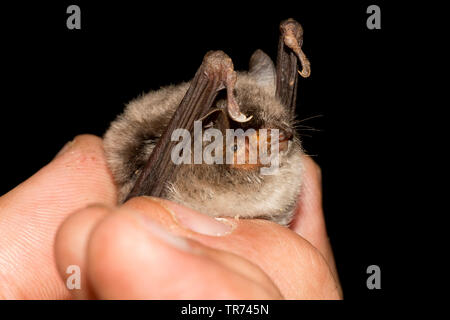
x,y
240,118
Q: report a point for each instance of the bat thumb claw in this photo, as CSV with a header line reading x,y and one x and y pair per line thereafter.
x,y
240,118
293,38
305,73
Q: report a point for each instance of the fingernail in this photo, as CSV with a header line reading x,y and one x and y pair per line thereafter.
x,y
166,236
195,221
64,149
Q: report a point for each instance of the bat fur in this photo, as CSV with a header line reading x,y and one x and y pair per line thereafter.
x,y
215,190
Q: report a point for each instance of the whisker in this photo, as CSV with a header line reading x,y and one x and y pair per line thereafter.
x,y
309,118
299,127
309,129
310,155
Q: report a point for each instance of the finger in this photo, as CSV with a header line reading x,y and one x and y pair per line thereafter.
x,y
71,245
291,262
132,257
31,213
309,221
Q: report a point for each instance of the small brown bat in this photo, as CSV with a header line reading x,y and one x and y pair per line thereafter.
x,y
139,142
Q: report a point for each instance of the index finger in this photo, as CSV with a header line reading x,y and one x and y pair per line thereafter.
x,y
31,213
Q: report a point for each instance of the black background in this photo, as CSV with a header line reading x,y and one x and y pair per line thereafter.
x,y
58,83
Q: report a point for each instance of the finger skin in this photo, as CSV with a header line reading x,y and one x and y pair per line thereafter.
x,y
125,260
309,220
31,213
71,243
296,267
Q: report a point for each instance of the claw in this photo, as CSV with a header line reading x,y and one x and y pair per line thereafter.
x,y
239,117
219,63
306,65
233,107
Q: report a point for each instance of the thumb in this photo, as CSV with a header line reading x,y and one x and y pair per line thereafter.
x,y
128,254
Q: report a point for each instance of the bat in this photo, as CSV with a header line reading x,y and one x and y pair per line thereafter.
x,y
139,144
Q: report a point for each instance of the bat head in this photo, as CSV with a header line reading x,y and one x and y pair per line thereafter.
x,y
255,94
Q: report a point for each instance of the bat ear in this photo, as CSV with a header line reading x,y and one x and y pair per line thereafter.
x,y
263,70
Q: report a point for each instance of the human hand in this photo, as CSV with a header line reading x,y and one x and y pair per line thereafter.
x,y
151,248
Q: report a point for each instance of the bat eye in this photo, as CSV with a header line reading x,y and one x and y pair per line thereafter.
x,y
235,148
